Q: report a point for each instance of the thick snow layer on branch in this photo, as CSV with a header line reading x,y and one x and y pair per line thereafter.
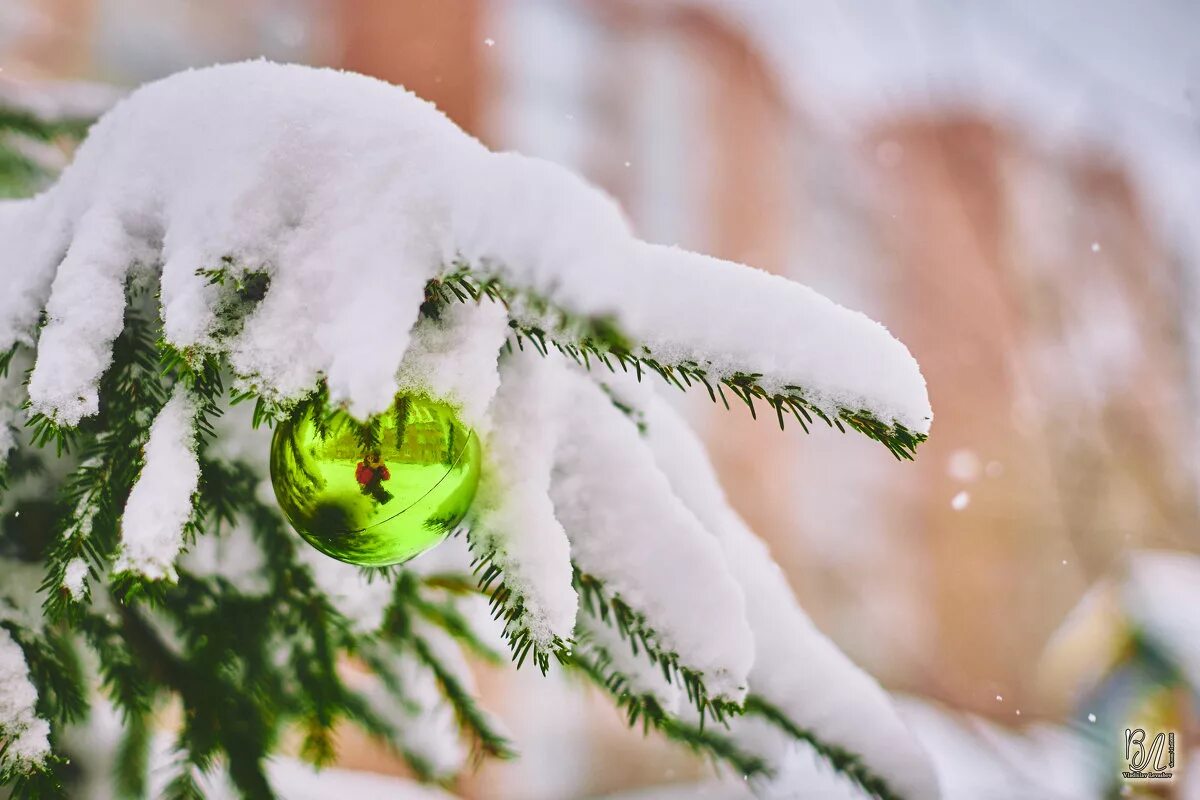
x,y
513,519
796,668
352,194
161,501
24,734
628,529
645,678
454,358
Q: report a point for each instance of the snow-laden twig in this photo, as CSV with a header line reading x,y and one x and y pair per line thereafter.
x,y
24,736
160,504
800,681
513,523
630,531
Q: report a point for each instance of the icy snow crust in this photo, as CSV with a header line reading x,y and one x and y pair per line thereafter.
x,y
353,193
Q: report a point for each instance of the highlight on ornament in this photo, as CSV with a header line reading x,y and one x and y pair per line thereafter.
x,y
377,493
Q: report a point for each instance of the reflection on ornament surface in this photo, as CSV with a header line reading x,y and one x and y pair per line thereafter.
x,y
377,493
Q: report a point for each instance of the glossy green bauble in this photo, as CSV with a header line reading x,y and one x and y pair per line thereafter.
x,y
377,493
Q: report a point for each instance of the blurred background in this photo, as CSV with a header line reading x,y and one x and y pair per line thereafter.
x,y
1012,188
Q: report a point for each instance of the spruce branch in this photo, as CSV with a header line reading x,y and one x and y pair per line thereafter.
x,y
537,320
645,708
471,718
610,609
132,766
508,606
840,759
377,657
109,446
444,614
400,628
41,783
54,669
54,673
19,121
22,171
221,713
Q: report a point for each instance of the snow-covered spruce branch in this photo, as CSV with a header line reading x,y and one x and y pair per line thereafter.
x,y
599,340
645,708
269,217
636,632
24,736
508,607
842,760
476,723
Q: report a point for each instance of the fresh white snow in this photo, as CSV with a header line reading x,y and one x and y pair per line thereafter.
x,y
352,194
512,517
161,501
630,529
26,734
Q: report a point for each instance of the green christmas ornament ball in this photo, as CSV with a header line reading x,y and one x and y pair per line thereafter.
x,y
378,493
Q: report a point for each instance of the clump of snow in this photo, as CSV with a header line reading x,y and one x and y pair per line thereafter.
x,y
85,313
75,578
25,735
352,194
629,529
979,760
454,358
512,517
160,503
